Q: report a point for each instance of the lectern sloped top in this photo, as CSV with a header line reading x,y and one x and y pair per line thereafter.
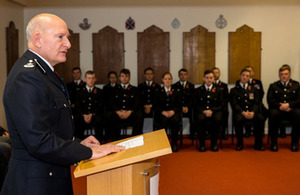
x,y
155,144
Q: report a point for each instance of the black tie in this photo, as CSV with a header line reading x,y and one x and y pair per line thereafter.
x,y
244,86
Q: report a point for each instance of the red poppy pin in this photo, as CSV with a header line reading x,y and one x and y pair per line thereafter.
x,y
128,88
153,85
249,88
81,84
290,84
253,81
171,92
187,86
220,84
213,90
95,91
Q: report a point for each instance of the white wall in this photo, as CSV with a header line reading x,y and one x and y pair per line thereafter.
x,y
8,12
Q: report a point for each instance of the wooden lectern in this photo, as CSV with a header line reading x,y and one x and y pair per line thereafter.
x,y
124,172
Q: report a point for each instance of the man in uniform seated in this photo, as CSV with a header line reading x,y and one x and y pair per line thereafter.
x,y
125,107
208,110
89,105
244,100
284,104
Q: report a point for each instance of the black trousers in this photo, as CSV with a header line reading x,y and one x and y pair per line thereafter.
x,y
258,124
115,123
171,123
96,126
213,123
275,118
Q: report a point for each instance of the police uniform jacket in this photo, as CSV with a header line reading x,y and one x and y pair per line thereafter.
x,y
278,93
73,88
224,88
90,102
208,100
148,92
186,92
244,99
258,85
41,130
125,99
164,102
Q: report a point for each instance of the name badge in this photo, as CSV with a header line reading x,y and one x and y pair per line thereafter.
x,y
251,96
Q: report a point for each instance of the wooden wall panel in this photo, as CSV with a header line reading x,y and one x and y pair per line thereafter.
x,y
108,52
244,50
198,52
153,51
73,58
12,45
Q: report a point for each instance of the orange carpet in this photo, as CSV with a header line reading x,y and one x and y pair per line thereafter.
x,y
227,171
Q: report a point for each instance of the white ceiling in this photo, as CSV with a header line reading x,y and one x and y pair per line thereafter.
x,y
75,3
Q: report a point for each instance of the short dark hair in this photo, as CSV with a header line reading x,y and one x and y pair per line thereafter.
x,y
89,72
76,68
149,68
285,67
215,68
125,71
112,72
182,70
244,70
166,74
208,72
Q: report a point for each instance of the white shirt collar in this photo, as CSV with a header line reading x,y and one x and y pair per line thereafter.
x,y
87,87
51,67
167,89
206,87
242,85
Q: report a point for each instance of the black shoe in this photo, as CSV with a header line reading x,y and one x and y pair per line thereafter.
x,y
239,147
274,148
295,148
202,149
174,148
224,137
282,135
215,148
259,148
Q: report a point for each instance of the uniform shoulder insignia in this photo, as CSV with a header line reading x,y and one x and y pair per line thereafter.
x,y
29,64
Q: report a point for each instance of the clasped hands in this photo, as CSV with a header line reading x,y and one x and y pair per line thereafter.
x,y
285,107
248,115
123,114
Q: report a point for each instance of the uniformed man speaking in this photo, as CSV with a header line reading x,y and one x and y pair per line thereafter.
x,y
39,116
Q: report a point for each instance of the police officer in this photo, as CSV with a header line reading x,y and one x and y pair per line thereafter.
x,y
224,88
244,100
147,90
284,104
125,107
167,109
89,105
76,85
208,110
186,91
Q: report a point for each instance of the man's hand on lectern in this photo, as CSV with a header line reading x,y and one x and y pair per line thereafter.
x,y
104,150
90,142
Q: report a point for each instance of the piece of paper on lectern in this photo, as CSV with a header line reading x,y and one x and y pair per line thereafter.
x,y
154,184
132,143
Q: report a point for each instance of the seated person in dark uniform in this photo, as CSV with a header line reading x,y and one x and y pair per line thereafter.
x,y
208,110
167,109
76,85
125,107
89,105
147,90
5,152
223,86
186,91
284,104
258,85
244,100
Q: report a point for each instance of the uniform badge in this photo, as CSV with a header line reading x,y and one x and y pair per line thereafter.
x,y
29,64
251,96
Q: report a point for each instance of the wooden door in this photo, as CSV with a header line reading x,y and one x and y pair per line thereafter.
x,y
153,51
73,59
244,50
108,52
12,45
198,52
